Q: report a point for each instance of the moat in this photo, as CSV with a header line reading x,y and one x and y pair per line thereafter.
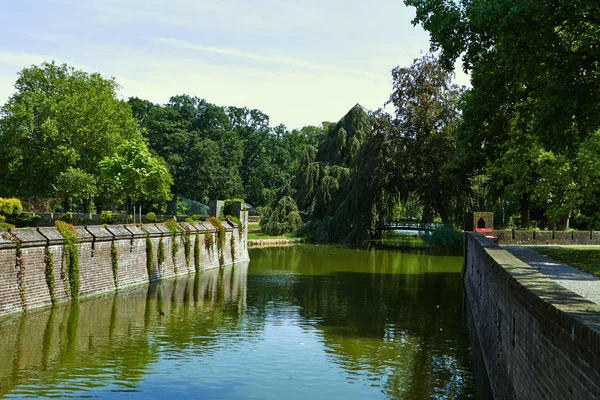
x,y
303,321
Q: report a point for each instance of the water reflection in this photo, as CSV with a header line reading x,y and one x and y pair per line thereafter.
x,y
301,321
113,340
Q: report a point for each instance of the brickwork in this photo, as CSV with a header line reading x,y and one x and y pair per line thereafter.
x,y
95,262
538,340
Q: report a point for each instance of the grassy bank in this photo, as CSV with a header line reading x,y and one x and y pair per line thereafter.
x,y
254,233
585,258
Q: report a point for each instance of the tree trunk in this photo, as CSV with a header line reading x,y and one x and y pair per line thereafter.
x,y
66,203
563,224
86,206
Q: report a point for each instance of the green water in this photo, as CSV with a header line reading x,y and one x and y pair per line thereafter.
x,y
299,322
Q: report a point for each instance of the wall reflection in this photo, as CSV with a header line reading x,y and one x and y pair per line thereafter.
x,y
115,338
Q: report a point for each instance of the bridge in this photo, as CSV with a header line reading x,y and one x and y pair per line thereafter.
x,y
406,225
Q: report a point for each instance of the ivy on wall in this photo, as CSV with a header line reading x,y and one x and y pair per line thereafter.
x,y
49,273
174,228
71,255
149,257
197,252
114,258
220,238
19,266
161,254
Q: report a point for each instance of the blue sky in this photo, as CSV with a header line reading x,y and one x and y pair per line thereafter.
x,y
301,62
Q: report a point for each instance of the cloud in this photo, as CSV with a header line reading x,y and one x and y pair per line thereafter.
x,y
266,58
21,59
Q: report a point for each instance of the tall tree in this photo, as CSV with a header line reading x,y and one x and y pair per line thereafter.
x,y
59,118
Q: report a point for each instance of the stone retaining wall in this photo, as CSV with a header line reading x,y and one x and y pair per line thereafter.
x,y
96,274
538,339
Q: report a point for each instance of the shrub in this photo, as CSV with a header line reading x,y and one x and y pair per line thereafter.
x,y
10,207
28,219
151,217
66,217
445,237
229,206
107,217
284,218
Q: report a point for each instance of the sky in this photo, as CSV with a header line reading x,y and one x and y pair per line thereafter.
x,y
301,62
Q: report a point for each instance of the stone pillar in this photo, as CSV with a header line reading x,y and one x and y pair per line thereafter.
x,y
216,207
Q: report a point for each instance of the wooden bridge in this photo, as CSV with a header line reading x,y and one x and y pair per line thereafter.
x,y
406,225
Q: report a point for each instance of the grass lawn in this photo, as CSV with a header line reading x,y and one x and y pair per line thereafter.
x,y
585,258
254,233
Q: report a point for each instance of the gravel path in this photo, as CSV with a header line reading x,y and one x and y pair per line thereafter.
x,y
582,283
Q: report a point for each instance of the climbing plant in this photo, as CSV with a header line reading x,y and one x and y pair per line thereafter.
x,y
19,266
232,245
197,252
187,247
220,238
209,242
114,258
173,227
149,256
161,253
239,223
71,256
49,273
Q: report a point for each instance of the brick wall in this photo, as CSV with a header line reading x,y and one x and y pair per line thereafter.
x,y
538,340
95,262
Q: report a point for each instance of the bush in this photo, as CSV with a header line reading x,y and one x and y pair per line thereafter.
x,y
283,219
107,217
446,237
10,207
151,217
29,219
66,217
229,206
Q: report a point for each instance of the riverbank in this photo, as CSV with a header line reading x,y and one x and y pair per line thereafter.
x,y
274,242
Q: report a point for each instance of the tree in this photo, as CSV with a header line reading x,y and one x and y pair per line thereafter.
x,y
134,172
75,183
59,118
535,68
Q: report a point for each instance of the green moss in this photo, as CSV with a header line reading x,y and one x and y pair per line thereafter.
x,y
71,256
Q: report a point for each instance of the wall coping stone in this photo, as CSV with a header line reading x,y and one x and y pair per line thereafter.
x,y
152,230
119,232
163,229
52,235
100,233
188,227
83,235
6,244
208,226
136,231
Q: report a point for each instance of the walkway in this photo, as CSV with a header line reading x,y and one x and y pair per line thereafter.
x,y
582,283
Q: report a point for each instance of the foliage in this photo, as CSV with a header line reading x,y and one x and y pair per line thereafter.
x,y
66,217
151,217
229,206
187,247
445,237
197,252
114,258
149,257
10,207
49,273
59,118
220,238
75,183
19,265
283,219
237,221
71,256
209,242
161,253
133,171
107,217
174,228
232,248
